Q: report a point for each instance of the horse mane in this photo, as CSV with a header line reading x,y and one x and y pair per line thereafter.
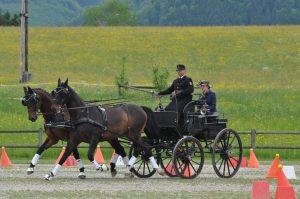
x,y
43,92
75,95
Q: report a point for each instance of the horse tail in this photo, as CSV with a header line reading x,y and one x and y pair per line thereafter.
x,y
151,129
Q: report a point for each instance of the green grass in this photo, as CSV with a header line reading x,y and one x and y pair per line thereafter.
x,y
254,70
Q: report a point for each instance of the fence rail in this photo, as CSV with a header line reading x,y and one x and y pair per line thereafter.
x,y
253,134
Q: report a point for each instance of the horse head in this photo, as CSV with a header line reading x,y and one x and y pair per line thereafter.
x,y
33,103
61,93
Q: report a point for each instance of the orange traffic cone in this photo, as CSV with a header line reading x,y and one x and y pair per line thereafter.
x,y
4,161
60,155
260,190
170,169
112,156
70,161
282,181
98,155
189,171
272,173
284,189
234,161
253,162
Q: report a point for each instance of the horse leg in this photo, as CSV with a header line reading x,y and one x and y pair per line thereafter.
x,y
119,150
80,166
93,144
147,148
71,145
47,144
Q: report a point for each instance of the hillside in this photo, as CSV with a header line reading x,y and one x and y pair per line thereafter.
x,y
50,12
168,12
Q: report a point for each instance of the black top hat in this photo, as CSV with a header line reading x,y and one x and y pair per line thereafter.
x,y
180,67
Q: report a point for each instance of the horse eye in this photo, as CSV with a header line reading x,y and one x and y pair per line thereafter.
x,y
23,102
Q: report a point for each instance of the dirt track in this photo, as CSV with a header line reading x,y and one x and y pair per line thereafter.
x,y
14,182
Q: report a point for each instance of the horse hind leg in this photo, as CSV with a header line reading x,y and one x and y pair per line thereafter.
x,y
147,149
80,166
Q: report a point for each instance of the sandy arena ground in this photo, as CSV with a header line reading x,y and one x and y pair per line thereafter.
x,y
15,183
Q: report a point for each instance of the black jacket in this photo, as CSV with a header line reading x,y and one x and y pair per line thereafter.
x,y
183,88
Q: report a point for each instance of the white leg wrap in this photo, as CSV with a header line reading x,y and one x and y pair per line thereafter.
x,y
55,170
79,164
35,159
153,162
125,160
115,158
131,161
96,165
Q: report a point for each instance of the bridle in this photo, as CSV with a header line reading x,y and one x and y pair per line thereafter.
x,y
32,97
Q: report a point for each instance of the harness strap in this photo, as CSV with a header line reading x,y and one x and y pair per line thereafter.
x,y
88,120
57,124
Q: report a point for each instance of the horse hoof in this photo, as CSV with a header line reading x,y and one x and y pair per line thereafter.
x,y
129,175
48,176
81,175
161,171
114,173
104,167
30,170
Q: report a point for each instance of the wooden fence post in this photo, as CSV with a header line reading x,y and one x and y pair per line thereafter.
x,y
253,139
40,136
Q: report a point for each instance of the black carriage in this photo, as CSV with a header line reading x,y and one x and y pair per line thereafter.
x,y
180,148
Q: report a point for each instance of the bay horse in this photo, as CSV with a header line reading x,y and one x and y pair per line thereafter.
x,y
92,124
39,100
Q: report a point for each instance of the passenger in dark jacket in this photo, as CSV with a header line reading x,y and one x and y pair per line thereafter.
x,y
209,95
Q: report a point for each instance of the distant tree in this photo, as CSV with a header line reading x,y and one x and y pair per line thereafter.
x,y
110,13
7,20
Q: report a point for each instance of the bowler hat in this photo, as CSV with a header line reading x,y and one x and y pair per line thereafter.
x,y
180,67
203,82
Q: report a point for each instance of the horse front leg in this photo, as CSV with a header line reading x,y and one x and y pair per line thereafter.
x,y
72,144
92,147
47,144
119,150
80,166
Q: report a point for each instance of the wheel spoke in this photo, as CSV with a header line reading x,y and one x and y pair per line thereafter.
x,y
194,162
192,167
224,167
231,164
148,167
228,167
144,168
139,166
221,164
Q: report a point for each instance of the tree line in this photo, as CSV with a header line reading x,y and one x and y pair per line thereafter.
x,y
194,12
8,19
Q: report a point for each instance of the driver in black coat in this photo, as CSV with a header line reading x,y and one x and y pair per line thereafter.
x,y
181,89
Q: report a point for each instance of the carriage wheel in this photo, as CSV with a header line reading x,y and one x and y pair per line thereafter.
x,y
166,162
142,167
227,153
188,157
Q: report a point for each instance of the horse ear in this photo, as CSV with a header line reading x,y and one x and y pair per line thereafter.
x,y
66,82
58,82
30,90
25,90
